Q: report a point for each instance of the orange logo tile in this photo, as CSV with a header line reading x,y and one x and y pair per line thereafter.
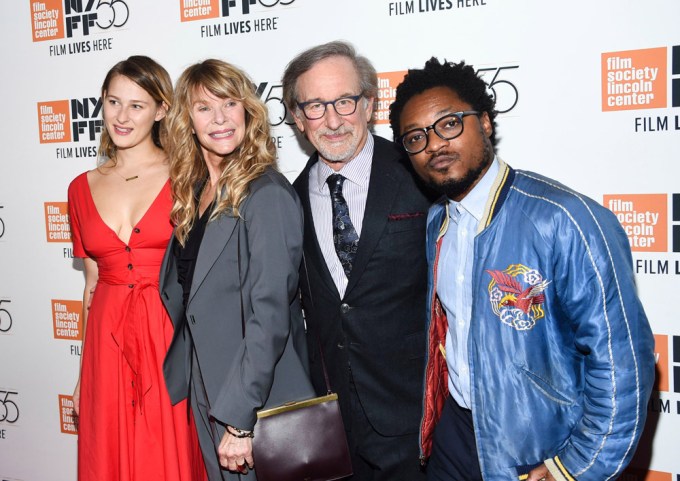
x,y
634,79
634,474
198,9
67,415
644,217
661,382
66,316
57,226
47,19
387,91
54,122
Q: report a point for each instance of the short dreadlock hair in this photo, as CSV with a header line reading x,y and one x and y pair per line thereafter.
x,y
458,77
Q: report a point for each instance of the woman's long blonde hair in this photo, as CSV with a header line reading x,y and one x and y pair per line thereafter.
x,y
154,79
187,166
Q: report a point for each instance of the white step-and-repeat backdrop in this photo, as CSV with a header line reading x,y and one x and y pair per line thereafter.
x,y
589,94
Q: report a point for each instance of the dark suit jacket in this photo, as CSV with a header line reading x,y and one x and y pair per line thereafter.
x,y
268,366
378,327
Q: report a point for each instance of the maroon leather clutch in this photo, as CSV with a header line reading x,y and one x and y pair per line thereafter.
x,y
302,441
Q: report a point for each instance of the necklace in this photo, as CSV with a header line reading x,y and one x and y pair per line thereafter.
x,y
126,179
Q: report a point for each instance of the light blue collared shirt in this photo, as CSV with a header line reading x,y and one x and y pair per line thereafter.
x,y
454,281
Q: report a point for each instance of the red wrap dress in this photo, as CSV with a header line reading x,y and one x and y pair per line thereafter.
x,y
128,430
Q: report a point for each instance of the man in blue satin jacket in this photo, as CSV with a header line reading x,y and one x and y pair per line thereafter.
x,y
540,357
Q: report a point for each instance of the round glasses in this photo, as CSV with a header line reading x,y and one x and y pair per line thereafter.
x,y
447,127
316,109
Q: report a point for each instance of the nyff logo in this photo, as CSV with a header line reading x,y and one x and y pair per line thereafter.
x,y
675,363
50,20
675,82
499,82
667,363
676,222
191,10
69,120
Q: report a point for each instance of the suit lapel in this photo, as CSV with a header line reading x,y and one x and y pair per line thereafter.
x,y
217,235
382,190
311,243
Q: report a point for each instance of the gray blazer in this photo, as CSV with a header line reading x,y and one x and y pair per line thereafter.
x,y
268,366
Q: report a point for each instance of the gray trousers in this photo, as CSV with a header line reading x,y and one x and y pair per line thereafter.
x,y
209,432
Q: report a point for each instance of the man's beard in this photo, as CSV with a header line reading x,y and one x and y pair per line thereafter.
x,y
454,188
345,151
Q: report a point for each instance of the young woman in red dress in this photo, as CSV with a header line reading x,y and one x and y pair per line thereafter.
x,y
128,429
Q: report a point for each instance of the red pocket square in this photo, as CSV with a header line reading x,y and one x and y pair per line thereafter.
x,y
409,215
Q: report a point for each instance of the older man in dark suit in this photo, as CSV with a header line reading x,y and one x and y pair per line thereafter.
x,y
364,275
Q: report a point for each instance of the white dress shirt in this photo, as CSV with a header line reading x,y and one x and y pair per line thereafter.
x,y
357,173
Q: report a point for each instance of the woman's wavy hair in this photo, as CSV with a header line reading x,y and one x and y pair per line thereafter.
x,y
187,166
155,81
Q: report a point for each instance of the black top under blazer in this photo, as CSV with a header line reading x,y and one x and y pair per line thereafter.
x,y
269,366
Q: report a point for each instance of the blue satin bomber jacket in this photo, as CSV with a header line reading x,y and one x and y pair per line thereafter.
x,y
561,355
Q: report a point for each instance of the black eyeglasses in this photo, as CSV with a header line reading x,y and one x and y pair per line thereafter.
x,y
316,109
447,127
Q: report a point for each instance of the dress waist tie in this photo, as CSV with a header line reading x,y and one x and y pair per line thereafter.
x,y
129,336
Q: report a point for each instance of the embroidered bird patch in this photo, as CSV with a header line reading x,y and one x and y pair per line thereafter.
x,y
517,304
